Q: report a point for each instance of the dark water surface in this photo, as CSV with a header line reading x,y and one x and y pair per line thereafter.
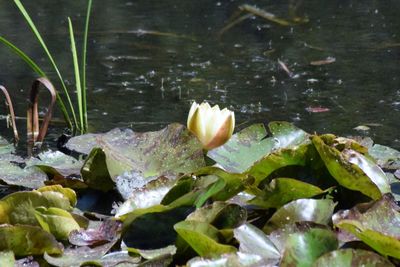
x,y
143,79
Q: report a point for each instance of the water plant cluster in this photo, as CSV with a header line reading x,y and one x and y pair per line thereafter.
x,y
195,196
75,115
281,197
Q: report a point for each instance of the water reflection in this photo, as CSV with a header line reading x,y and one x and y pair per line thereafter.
x,y
139,77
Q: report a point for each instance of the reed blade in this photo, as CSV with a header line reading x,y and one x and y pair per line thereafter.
x,y
78,84
83,69
50,57
40,72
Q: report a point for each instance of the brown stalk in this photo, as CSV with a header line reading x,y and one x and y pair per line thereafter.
x,y
35,132
11,111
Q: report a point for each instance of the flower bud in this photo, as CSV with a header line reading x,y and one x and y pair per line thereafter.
x,y
212,126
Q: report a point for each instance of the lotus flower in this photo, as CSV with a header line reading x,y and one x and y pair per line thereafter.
x,y
212,126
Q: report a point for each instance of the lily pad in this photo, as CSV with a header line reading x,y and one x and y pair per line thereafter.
x,y
79,255
13,174
56,164
368,166
350,258
203,238
20,207
283,190
56,221
302,249
170,151
231,184
95,173
66,192
186,185
220,214
297,156
228,260
377,224
145,195
386,157
350,173
119,258
280,236
250,145
25,240
151,254
253,241
108,231
243,149
312,210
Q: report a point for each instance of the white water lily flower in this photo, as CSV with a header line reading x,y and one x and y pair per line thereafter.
x,y
212,126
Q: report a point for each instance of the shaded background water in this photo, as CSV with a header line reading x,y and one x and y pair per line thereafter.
x,y
143,79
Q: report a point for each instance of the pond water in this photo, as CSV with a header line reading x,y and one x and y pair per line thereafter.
x,y
148,60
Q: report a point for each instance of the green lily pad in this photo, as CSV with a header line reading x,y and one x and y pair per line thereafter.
x,y
221,215
302,249
280,236
250,145
66,192
288,135
297,156
170,151
204,184
56,221
253,241
283,190
312,210
386,157
11,173
20,207
183,186
191,190
350,258
369,167
243,149
377,224
352,170
141,193
151,254
203,238
25,240
95,173
56,164
228,260
231,184
119,258
79,256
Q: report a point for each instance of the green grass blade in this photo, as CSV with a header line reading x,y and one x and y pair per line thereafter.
x,y
83,69
40,72
43,44
77,77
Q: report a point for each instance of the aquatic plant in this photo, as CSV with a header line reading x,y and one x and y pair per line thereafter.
x,y
278,197
80,124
